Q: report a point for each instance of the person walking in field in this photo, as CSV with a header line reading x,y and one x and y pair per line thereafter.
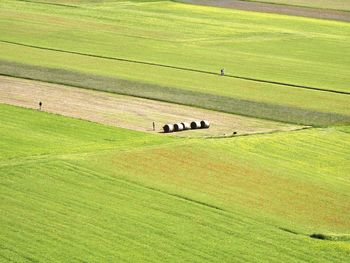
x,y
222,72
40,104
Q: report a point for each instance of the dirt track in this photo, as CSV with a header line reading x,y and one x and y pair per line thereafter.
x,y
125,111
275,8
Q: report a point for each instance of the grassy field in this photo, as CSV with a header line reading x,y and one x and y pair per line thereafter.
x,y
299,51
323,4
73,190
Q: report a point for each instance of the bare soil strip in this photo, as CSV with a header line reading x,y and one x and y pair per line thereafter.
x,y
275,8
125,111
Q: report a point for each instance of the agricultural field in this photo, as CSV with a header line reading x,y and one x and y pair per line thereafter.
x,y
86,178
75,190
128,112
183,57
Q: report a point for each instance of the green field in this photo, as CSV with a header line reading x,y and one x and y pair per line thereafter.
x,y
77,191
90,38
73,190
323,4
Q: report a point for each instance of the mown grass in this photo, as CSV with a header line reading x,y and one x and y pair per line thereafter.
x,y
294,50
73,190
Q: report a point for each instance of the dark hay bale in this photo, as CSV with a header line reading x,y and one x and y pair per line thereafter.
x,y
168,128
178,127
205,124
195,125
186,125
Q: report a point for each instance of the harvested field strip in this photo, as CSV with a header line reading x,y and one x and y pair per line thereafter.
x,y
168,94
276,7
278,84
126,112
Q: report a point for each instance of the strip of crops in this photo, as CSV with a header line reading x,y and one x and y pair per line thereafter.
x,y
323,109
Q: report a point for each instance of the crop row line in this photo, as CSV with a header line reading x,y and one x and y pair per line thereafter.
x,y
46,3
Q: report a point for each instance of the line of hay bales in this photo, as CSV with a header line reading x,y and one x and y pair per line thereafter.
x,y
183,126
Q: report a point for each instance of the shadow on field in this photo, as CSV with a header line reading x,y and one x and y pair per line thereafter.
x,y
331,237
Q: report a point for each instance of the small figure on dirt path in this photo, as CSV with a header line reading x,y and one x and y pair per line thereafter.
x,y
222,72
154,126
40,104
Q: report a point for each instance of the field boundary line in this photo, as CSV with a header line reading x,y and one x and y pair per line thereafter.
x,y
277,83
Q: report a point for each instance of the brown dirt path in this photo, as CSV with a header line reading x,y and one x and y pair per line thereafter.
x,y
275,8
125,111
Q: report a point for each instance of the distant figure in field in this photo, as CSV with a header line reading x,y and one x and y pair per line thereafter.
x,y
154,126
40,104
222,72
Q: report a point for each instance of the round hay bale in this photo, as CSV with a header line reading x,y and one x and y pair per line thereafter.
x,y
195,125
168,128
186,125
205,124
178,127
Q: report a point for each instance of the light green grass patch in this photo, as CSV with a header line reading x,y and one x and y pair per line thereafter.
x,y
158,198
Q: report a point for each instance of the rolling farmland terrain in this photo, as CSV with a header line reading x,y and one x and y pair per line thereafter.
x,y
87,179
74,190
